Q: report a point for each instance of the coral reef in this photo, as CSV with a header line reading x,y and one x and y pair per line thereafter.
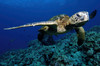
x,y
65,52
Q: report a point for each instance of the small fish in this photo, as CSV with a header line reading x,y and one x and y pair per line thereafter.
x,y
93,14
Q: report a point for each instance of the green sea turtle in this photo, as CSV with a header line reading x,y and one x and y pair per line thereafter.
x,y
61,24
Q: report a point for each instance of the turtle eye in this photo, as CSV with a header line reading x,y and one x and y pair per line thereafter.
x,y
78,15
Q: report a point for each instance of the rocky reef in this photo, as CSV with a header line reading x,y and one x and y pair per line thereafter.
x,y
65,52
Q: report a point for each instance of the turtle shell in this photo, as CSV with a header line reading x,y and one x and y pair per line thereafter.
x,y
54,27
58,17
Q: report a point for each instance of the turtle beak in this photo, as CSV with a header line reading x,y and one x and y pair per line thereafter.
x,y
86,16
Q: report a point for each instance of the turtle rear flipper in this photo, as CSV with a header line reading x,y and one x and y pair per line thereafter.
x,y
45,39
80,35
40,36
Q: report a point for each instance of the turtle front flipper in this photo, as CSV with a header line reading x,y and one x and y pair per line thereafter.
x,y
34,24
80,35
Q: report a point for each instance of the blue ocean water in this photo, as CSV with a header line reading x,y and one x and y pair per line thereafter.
x,y
19,12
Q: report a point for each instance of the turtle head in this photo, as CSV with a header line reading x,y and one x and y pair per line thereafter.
x,y
80,18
